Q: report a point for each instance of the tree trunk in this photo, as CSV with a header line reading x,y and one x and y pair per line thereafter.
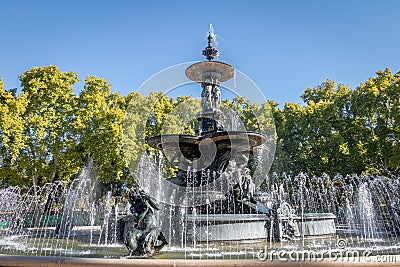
x,y
36,208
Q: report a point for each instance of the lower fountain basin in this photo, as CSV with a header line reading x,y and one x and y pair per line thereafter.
x,y
234,227
227,227
316,224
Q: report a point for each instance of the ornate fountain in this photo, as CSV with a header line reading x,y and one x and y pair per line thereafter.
x,y
214,166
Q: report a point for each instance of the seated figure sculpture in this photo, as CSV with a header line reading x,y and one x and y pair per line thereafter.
x,y
139,230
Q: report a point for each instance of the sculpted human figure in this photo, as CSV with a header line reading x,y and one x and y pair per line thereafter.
x,y
248,185
140,229
206,97
216,92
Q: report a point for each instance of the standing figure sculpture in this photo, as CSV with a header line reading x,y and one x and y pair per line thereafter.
x,y
216,94
139,230
210,96
207,97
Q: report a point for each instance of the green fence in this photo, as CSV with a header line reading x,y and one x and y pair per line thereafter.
x,y
45,220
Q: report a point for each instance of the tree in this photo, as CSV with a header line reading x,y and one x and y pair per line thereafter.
x,y
376,109
47,133
98,126
47,120
313,138
11,134
327,121
289,126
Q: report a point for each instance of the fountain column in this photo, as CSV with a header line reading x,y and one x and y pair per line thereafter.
x,y
210,74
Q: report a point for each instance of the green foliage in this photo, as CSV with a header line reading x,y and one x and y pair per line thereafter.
x,y
340,130
376,109
11,134
154,115
135,127
47,125
47,133
314,138
98,124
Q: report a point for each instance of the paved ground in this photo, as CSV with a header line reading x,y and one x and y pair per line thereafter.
x,y
39,261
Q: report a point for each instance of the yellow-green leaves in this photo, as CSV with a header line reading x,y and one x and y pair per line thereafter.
x,y
340,130
98,121
47,133
11,133
48,138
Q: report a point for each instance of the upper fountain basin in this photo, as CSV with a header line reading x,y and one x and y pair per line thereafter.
x,y
210,71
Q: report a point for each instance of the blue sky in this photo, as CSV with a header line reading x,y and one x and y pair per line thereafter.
x,y
283,46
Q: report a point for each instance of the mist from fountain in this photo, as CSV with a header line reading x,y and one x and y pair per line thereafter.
x,y
366,208
57,219
365,217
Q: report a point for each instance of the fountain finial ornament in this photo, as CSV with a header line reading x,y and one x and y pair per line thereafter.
x,y
210,52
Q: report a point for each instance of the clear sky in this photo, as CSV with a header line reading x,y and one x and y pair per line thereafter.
x,y
283,46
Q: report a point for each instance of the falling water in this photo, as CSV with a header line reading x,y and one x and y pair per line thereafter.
x,y
367,210
365,206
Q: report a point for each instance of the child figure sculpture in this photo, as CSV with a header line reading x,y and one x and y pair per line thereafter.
x,y
139,230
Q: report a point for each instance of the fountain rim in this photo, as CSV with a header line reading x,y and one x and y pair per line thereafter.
x,y
222,71
22,260
157,141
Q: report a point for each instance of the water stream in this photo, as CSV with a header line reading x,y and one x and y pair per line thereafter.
x,y
72,220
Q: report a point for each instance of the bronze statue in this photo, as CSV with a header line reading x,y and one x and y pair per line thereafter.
x,y
139,230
